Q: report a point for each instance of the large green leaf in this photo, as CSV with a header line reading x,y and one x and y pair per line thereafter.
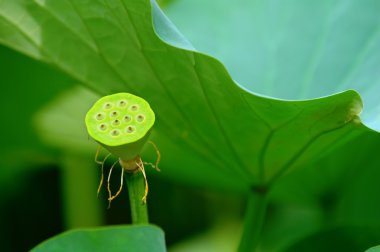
x,y
210,130
144,238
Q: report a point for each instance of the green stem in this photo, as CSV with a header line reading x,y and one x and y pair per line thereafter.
x,y
136,190
253,221
79,184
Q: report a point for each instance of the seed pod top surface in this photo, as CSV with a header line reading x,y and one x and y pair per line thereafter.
x,y
119,119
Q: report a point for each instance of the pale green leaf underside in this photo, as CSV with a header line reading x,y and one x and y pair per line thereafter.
x,y
291,49
114,239
209,130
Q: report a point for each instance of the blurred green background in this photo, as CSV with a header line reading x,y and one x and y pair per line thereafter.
x,y
46,189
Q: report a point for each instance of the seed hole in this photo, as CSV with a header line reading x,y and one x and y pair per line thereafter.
x,y
103,127
127,118
115,132
114,113
134,107
130,129
116,122
140,118
100,116
107,105
122,103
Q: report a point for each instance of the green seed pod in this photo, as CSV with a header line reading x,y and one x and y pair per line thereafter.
x,y
121,123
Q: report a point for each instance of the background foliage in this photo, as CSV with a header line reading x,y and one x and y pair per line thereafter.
x,y
285,50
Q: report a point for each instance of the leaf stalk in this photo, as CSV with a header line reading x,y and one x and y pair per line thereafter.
x,y
253,220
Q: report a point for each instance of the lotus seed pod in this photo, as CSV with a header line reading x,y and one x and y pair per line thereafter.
x,y
121,123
